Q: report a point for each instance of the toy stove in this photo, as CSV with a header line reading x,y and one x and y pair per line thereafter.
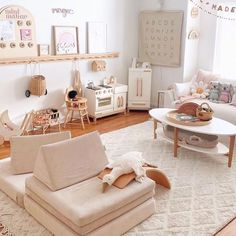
x,y
100,99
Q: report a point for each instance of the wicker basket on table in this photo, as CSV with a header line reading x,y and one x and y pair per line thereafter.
x,y
204,112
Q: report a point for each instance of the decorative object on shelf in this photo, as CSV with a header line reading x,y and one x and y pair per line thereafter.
x,y
17,32
204,112
193,34
97,37
43,49
99,65
66,40
160,37
194,12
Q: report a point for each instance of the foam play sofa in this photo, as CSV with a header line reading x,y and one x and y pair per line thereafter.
x,y
198,90
15,169
65,194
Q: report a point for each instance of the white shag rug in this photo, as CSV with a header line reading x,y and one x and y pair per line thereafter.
x,y
201,201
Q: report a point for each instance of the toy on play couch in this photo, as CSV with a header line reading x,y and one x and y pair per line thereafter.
x,y
128,167
199,90
214,92
226,93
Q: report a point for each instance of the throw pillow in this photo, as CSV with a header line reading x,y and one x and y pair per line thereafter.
x,y
182,89
206,76
199,90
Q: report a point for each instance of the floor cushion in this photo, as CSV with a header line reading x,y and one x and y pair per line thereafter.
x,y
12,185
83,206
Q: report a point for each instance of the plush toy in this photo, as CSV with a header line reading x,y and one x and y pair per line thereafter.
x,y
214,91
226,91
199,90
127,163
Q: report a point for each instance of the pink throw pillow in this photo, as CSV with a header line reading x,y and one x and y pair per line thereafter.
x,y
206,76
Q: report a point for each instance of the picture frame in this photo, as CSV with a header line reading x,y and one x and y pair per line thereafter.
x,y
97,37
66,40
43,49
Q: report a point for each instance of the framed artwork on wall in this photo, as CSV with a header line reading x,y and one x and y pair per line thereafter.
x,y
66,40
43,49
97,37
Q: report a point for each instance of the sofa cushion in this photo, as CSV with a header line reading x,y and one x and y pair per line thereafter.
x,y
181,89
12,185
68,162
24,149
206,76
84,207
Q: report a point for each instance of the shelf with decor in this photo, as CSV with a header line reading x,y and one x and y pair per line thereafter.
x,y
55,58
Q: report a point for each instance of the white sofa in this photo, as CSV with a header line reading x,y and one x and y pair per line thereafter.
x,y
180,93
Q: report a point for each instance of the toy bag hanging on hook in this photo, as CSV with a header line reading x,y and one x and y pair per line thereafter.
x,y
77,85
37,84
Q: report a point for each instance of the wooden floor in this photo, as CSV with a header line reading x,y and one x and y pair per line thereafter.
x,y
108,124
103,125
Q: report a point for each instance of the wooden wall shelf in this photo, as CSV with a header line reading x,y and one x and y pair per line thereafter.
x,y
27,60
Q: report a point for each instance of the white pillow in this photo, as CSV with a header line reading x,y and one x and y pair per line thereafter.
x,y
62,164
24,149
182,89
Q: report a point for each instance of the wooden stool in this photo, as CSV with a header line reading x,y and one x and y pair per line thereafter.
x,y
79,105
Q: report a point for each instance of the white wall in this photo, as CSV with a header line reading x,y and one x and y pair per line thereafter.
x,y
120,17
164,76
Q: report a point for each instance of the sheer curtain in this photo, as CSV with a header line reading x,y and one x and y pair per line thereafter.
x,y
225,48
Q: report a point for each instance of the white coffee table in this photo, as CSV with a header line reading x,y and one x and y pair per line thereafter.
x,y
215,127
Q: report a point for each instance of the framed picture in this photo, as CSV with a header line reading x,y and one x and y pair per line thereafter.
x,y
97,37
43,49
66,40
25,34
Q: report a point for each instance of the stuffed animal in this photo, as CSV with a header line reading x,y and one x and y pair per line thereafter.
x,y
127,163
226,91
214,91
199,90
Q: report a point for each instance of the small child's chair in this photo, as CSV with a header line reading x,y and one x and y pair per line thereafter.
x,y
75,104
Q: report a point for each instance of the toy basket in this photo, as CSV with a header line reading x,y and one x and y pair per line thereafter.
x,y
204,112
37,86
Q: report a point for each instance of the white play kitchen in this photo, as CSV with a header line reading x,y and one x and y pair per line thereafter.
x,y
104,100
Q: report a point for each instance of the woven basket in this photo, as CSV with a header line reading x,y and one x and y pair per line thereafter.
x,y
204,112
38,85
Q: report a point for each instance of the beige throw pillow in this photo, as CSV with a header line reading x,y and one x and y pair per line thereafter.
x,y
24,149
62,164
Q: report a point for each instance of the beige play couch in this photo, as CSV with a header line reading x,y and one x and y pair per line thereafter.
x,y
65,195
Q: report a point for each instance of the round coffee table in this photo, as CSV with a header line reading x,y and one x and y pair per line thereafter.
x,y
215,127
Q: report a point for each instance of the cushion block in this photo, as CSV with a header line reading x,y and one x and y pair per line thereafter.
x,y
12,185
24,149
83,206
65,163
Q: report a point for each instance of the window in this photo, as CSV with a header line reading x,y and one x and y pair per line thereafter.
x,y
225,47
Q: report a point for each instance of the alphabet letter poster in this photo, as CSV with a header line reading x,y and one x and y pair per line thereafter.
x,y
160,37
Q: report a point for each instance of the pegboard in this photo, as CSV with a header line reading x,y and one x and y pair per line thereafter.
x,y
17,32
160,37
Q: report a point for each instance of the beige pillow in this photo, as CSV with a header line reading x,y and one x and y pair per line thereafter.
x,y
206,76
24,149
68,162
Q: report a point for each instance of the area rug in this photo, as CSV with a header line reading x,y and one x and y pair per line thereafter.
x,y
201,201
